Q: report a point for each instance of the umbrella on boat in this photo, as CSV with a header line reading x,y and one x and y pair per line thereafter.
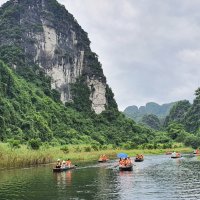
x,y
122,155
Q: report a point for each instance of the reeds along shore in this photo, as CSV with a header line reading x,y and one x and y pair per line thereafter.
x,y
24,157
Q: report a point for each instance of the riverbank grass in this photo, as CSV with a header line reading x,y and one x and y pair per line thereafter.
x,y
25,157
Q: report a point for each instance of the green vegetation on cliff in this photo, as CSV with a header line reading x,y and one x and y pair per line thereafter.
x,y
183,121
151,121
26,112
178,112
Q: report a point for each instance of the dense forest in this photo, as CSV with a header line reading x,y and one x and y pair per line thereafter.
x,y
28,113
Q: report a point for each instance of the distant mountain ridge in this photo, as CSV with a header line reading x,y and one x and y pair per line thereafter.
x,y
161,111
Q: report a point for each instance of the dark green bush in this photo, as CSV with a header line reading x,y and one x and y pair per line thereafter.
x,y
34,143
78,149
14,144
88,149
65,149
95,147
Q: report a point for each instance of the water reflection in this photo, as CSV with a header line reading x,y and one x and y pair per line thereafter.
x,y
63,179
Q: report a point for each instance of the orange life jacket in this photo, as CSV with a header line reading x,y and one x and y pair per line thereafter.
x,y
121,162
68,162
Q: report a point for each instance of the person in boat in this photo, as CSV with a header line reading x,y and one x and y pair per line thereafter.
x,y
129,161
58,164
121,162
63,164
178,154
68,163
105,157
126,161
173,154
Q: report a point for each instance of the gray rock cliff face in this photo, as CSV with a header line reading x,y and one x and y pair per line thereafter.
x,y
52,39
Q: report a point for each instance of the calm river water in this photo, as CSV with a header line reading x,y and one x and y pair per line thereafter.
x,y
157,178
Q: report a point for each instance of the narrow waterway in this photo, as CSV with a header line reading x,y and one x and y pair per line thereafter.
x,y
157,178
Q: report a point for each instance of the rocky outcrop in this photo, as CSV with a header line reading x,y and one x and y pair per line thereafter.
x,y
51,38
97,95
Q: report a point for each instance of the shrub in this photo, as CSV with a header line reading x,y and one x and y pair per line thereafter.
x,y
45,145
126,146
34,143
114,146
54,142
168,145
78,149
14,144
192,141
103,147
87,149
95,147
149,146
65,149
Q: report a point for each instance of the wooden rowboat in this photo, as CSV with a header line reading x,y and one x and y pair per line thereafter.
x,y
139,159
196,152
178,155
126,168
63,169
105,160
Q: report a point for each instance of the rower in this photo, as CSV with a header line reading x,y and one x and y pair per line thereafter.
x,y
58,164
68,163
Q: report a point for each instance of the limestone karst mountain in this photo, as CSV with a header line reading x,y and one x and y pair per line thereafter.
x,y
52,86
161,111
43,37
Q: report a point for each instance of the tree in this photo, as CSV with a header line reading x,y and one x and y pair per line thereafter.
x,y
192,141
35,143
151,121
178,112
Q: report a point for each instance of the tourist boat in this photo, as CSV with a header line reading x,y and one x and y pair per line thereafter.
x,y
139,159
126,168
63,169
103,160
176,155
197,152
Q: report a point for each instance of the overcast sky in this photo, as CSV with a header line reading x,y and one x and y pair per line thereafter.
x,y
149,49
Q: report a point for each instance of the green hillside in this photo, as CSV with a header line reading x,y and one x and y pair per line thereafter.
x,y
26,112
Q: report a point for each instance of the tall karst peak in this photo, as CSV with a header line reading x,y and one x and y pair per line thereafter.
x,y
43,34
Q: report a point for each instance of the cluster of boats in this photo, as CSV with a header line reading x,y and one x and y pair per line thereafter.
x,y
125,163
178,155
